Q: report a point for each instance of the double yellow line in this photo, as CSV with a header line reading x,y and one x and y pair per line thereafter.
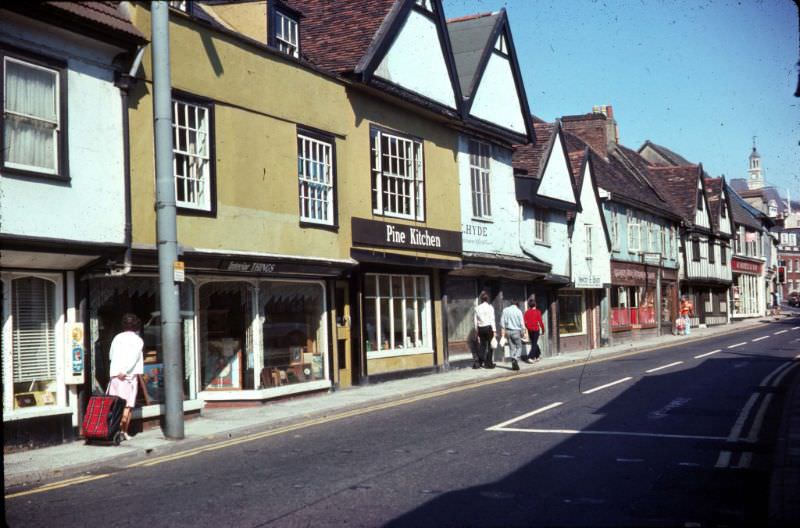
x,y
60,484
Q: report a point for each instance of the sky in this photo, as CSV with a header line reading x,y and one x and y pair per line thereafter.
x,y
699,77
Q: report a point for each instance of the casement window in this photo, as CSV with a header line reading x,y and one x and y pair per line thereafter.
x,y
34,347
479,159
397,315
315,173
398,182
711,252
588,229
664,242
699,200
723,254
191,158
541,229
286,34
674,232
645,234
696,249
34,117
723,210
789,265
614,229
634,235
654,236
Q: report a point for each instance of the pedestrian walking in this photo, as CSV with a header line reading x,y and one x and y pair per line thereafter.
x,y
126,365
687,312
511,328
484,332
534,325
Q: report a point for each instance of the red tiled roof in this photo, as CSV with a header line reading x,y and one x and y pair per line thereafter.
x,y
104,14
714,194
469,17
679,185
336,35
531,157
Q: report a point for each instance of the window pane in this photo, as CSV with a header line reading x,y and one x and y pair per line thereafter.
x,y
33,345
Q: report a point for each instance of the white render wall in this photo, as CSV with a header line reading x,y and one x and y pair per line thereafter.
x,y
91,206
600,263
415,61
557,180
496,99
501,234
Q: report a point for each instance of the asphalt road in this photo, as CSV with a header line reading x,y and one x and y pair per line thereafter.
x,y
688,443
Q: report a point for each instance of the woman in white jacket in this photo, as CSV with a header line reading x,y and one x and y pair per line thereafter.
x,y
126,364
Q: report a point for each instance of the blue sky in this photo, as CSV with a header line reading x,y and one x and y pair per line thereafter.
x,y
699,77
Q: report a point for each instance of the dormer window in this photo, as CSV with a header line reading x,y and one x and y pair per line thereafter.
x,y
286,34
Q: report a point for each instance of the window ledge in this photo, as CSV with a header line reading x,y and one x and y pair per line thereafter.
x,y
7,171
541,243
572,335
151,411
264,394
486,219
39,412
319,225
399,352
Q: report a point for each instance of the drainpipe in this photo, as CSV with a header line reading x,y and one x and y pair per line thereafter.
x,y
167,231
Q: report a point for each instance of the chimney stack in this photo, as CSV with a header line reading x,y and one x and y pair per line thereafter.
x,y
597,129
612,130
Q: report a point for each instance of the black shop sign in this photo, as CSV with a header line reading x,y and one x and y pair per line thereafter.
x,y
399,236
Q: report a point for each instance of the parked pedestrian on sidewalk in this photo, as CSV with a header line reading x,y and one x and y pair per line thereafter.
x,y
126,365
511,327
484,332
534,325
687,312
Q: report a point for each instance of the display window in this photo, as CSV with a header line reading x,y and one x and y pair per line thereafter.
x,y
571,313
292,315
31,319
111,298
462,294
397,316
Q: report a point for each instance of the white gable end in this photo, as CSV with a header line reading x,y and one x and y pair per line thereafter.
x,y
556,180
591,261
701,218
724,222
416,62
496,98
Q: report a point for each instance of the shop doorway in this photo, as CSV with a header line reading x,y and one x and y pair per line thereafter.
x,y
344,347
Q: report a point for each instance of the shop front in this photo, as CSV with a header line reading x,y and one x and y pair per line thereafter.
x,y
634,297
747,291
710,301
669,299
398,320
580,321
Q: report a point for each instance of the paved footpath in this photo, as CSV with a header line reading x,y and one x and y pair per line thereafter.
x,y
35,467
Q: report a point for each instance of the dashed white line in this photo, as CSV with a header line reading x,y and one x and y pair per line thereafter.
x,y
779,332
736,430
738,344
756,340
689,464
796,328
708,353
611,433
527,415
663,367
630,460
563,456
623,380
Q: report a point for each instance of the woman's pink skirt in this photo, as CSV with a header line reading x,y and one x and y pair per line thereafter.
x,y
125,389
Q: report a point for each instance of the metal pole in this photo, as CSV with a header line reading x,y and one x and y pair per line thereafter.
x,y
166,223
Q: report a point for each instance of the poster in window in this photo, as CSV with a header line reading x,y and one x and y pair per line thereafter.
x,y
153,382
224,364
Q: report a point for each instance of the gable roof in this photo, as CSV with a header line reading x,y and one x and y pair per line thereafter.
x,y
714,195
473,39
742,212
671,157
679,185
102,20
530,158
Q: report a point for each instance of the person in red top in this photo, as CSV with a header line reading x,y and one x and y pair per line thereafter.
x,y
534,325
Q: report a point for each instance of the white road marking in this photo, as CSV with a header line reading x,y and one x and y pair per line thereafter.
x,y
795,327
610,433
630,460
563,456
527,415
759,419
689,464
739,425
665,410
756,340
623,380
738,344
663,367
745,460
708,353
724,459
779,332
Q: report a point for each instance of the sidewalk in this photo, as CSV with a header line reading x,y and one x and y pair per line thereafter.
x,y
34,466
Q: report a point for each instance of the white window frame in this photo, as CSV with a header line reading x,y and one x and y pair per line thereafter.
x,y
315,189
55,125
480,159
541,226
287,31
427,333
580,294
588,231
197,169
9,413
614,229
634,235
408,155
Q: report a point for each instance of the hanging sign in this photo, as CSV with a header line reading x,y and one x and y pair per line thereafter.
x,y
74,354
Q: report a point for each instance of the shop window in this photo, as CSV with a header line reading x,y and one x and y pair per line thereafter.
x,y
33,342
110,299
293,332
396,314
571,320
398,182
461,301
226,337
315,166
192,155
34,104
479,158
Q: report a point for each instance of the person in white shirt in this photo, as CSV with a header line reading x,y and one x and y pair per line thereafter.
x,y
511,327
127,364
484,332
